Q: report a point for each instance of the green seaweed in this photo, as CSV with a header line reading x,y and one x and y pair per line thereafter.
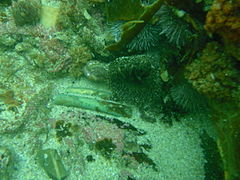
x,y
63,129
132,9
143,158
106,147
26,12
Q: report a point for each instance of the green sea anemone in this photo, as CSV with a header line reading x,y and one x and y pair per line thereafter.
x,y
186,97
146,39
174,27
135,80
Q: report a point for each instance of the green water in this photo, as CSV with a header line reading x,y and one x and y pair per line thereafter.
x,y
118,90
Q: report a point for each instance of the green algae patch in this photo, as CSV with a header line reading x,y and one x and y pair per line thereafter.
x,y
52,164
63,130
106,147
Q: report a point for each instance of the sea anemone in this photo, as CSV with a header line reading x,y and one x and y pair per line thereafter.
x,y
134,80
174,27
186,97
146,39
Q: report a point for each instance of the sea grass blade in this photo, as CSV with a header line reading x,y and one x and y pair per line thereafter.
x,y
94,101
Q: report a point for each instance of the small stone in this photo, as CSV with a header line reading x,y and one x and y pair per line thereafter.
x,y
96,71
5,162
51,162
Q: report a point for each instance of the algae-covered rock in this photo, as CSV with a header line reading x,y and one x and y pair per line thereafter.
x,y
214,73
7,41
224,19
9,111
80,55
26,12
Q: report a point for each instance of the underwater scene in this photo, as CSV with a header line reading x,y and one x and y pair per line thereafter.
x,y
119,90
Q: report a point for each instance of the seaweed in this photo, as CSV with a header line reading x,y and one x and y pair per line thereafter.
x,y
63,129
26,12
132,10
106,147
